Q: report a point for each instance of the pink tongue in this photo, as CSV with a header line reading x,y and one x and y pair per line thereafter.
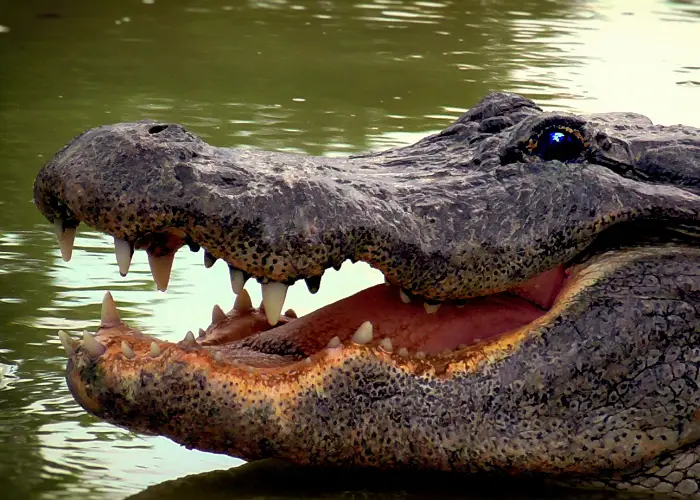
x,y
408,325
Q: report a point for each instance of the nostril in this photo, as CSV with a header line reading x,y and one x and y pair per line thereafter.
x,y
157,129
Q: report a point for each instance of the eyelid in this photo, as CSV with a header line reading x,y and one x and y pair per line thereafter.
x,y
533,142
523,137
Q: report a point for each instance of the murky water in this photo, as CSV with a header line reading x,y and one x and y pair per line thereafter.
x,y
317,76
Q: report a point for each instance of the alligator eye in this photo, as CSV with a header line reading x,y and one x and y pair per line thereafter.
x,y
563,144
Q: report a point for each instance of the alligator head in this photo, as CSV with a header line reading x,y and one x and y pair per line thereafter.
x,y
541,314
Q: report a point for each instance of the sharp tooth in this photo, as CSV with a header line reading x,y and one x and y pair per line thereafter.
x,y
291,314
127,351
420,355
307,361
209,259
93,346
66,238
110,315
462,346
273,294
218,356
363,335
243,302
67,342
431,308
202,333
160,269
313,283
386,344
335,342
124,251
189,339
217,314
238,279
58,228
405,298
155,350
403,352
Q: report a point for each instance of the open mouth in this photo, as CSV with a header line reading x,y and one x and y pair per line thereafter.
x,y
386,317
534,263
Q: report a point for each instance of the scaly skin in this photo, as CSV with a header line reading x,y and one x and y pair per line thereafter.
x,y
601,390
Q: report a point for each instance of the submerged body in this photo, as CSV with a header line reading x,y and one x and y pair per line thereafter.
x,y
542,314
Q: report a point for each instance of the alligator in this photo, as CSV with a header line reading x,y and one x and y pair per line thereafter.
x,y
540,315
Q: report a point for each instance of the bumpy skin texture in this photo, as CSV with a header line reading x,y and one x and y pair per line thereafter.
x,y
601,391
436,217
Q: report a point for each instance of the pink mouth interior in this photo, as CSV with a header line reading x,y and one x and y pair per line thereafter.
x,y
409,326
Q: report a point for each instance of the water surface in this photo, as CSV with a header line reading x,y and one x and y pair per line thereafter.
x,y
315,76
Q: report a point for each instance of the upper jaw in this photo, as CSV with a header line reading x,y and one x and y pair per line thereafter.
x,y
443,219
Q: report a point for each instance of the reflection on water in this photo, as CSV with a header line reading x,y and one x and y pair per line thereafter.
x,y
321,77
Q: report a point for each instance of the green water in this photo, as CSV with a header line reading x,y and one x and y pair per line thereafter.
x,y
317,76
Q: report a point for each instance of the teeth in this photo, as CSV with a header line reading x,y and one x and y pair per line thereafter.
x,y
66,238
403,352
420,355
386,344
189,339
202,333
67,342
431,308
127,351
243,302
273,294
209,259
217,314
58,228
238,279
460,303
110,315
155,350
363,335
307,361
462,346
218,356
405,298
94,348
313,283
160,269
335,342
124,252
291,314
